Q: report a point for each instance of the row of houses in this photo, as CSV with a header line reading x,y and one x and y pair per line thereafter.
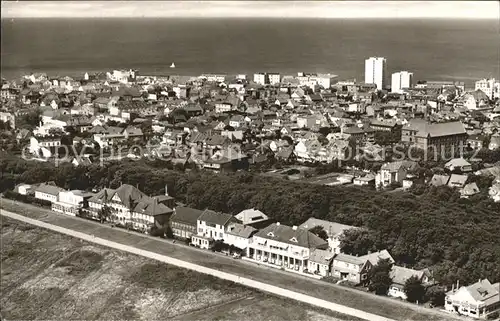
x,y
258,239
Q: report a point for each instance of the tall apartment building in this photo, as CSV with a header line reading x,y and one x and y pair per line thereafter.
x,y
266,78
401,80
375,71
490,87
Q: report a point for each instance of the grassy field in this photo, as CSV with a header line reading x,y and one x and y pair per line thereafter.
x,y
49,276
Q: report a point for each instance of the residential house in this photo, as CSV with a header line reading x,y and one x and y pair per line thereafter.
x,y
469,190
284,246
439,180
477,300
400,275
24,189
320,262
239,235
332,229
474,100
351,268
367,180
44,145
212,225
47,192
458,164
183,222
130,207
251,217
226,160
457,180
475,141
374,257
393,173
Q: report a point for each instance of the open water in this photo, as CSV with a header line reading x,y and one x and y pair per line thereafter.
x,y
432,49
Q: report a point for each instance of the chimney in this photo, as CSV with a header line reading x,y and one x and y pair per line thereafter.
x,y
166,190
277,223
458,284
294,227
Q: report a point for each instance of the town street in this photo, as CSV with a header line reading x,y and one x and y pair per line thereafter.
x,y
302,288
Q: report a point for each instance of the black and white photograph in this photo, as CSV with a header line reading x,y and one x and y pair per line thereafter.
x,y
250,160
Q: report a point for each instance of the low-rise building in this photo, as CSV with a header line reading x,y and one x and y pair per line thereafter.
x,y
320,262
239,235
47,192
71,202
400,275
458,164
183,222
351,268
284,246
332,229
477,300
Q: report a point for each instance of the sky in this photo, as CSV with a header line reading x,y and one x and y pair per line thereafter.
x,y
260,9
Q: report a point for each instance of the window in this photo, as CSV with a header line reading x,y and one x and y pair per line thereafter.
x,y
220,234
293,239
271,234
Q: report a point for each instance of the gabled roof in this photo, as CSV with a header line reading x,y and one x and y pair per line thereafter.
x,y
350,259
456,179
215,217
186,215
400,275
439,180
331,228
376,256
150,206
241,230
321,256
128,194
48,189
484,291
287,234
457,162
251,216
470,189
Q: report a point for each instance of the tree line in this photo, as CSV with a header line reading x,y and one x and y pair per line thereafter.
x,y
457,238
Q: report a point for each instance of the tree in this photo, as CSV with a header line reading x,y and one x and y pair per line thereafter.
x,y
414,290
436,295
104,213
318,230
357,241
379,277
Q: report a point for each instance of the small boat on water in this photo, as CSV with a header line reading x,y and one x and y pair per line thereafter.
x,y
172,65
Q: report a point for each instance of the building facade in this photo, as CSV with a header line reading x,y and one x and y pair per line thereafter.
x,y
401,80
375,72
284,246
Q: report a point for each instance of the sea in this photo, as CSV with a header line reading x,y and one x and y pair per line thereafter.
x,y
458,50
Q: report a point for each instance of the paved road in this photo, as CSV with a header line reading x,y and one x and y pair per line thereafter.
x,y
314,289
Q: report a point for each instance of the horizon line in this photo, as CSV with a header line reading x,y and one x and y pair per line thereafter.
x,y
253,17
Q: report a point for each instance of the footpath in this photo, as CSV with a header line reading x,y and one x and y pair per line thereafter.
x,y
315,292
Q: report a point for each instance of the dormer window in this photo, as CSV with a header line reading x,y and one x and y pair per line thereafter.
x,y
293,239
271,234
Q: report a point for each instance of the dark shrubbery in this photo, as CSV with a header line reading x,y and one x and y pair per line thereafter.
x,y
26,199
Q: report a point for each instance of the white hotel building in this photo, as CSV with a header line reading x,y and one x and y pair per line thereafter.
x,y
401,80
284,246
375,72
